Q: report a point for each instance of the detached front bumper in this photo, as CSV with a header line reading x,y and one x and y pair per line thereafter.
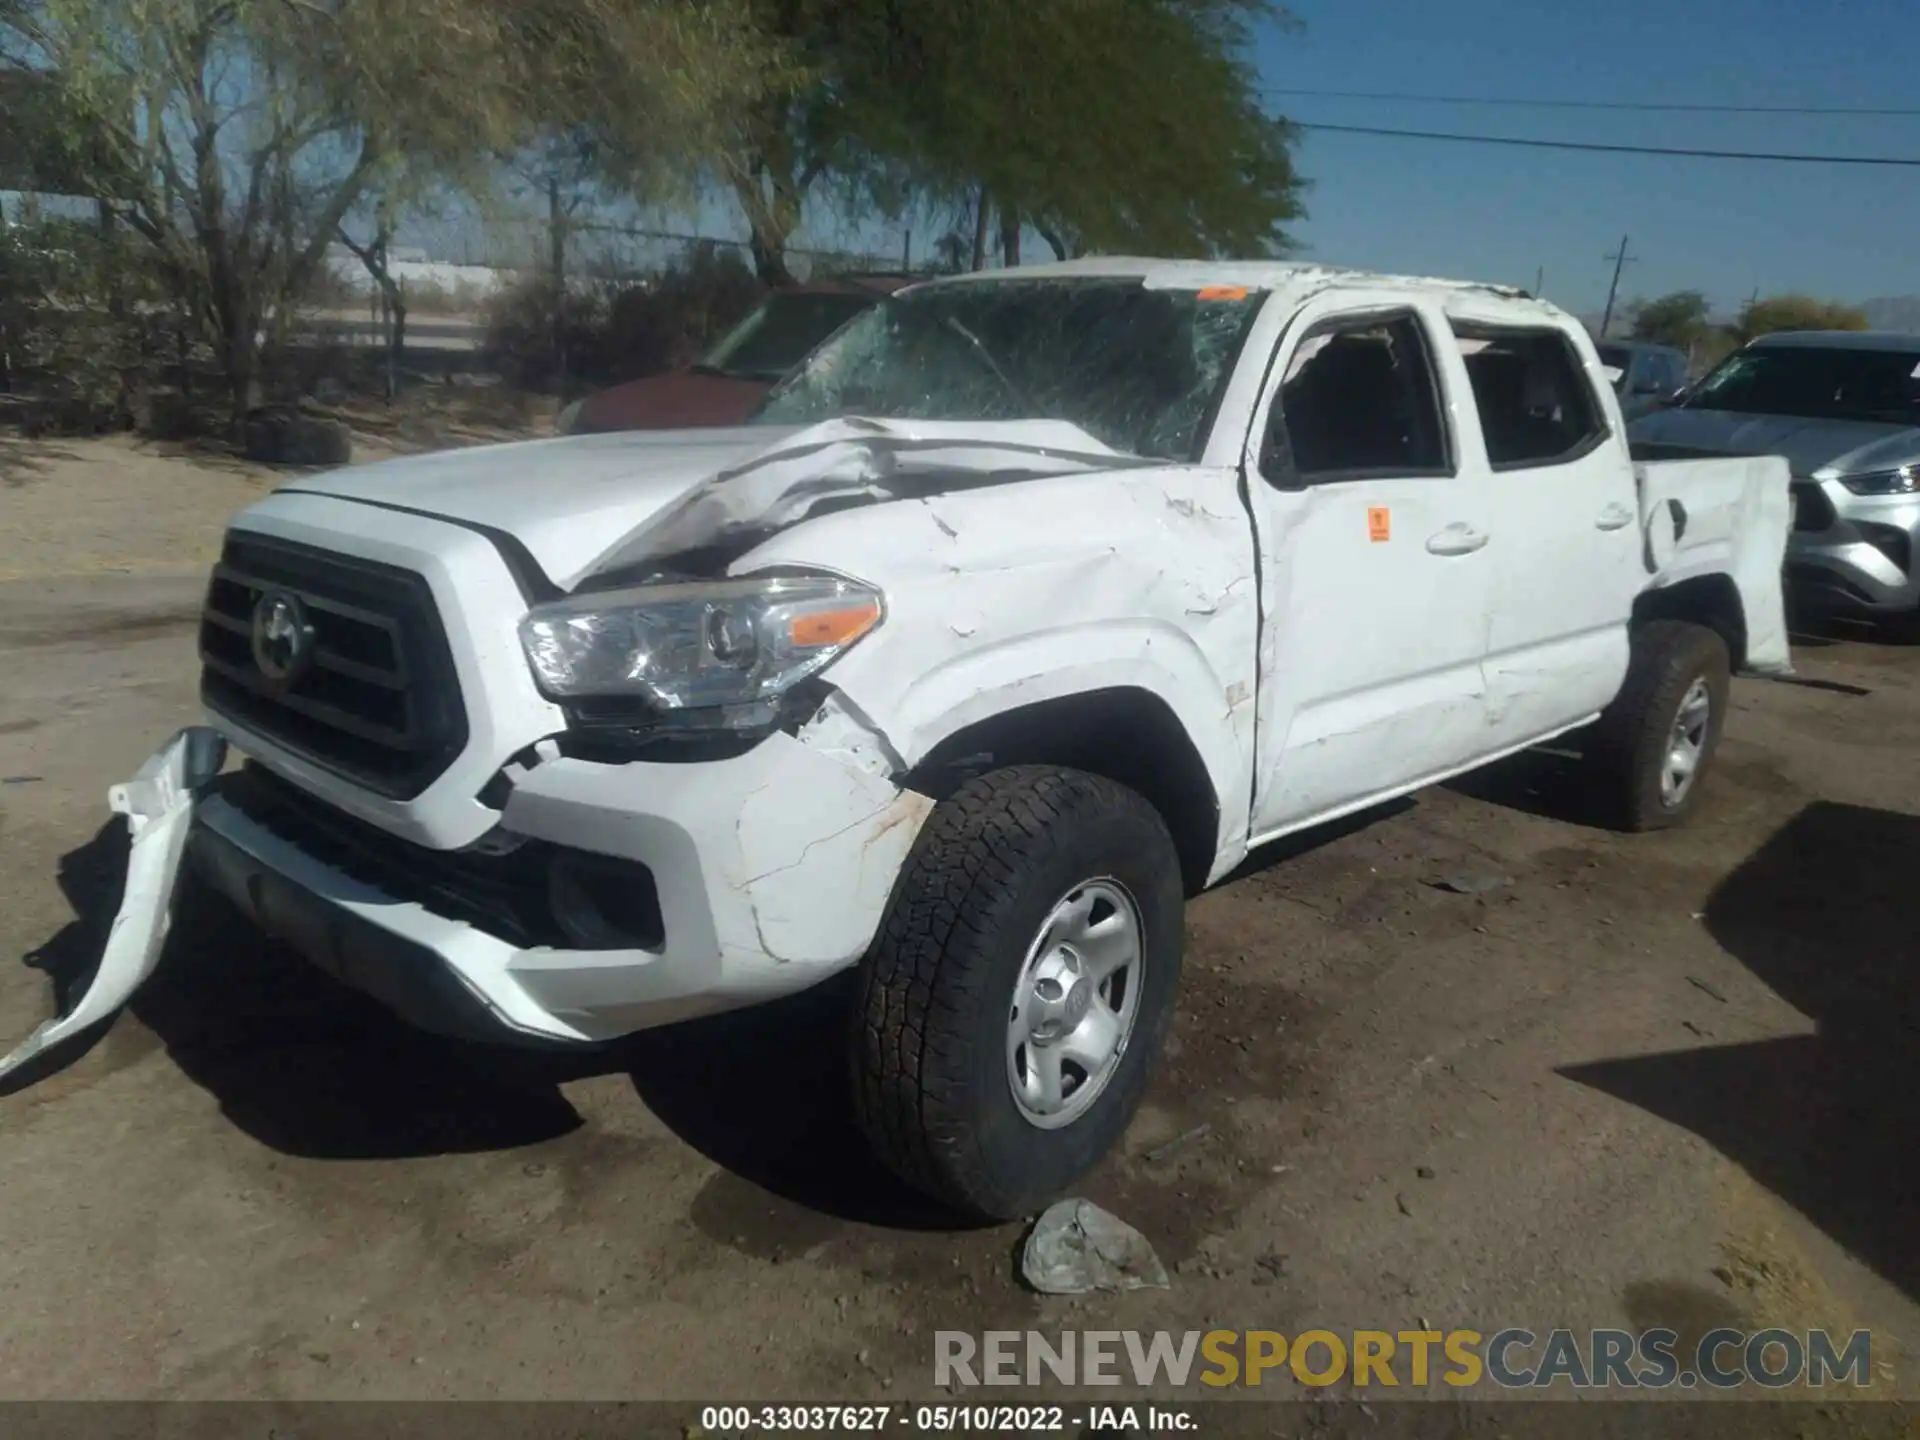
x,y
1854,553
768,873
159,805
771,872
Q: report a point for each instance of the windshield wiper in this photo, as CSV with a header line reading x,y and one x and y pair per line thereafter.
x,y
952,322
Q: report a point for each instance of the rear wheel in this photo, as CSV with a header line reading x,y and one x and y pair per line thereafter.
x,y
1014,1002
1654,744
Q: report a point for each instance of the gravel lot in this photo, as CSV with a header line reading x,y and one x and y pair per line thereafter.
x,y
1648,1080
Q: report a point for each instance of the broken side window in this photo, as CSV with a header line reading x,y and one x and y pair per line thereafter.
x,y
1536,407
1359,399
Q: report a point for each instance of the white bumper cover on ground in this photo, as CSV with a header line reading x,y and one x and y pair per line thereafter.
x,y
158,803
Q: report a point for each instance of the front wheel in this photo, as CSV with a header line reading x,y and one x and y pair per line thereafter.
x,y
1655,742
1014,1002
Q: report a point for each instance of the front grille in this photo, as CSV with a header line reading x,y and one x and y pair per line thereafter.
x,y
507,894
378,704
1811,509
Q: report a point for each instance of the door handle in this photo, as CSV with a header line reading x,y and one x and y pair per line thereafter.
x,y
1615,517
1456,539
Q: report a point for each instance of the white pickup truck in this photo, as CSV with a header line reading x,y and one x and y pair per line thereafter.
x,y
1023,610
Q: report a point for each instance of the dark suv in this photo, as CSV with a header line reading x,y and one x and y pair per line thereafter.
x,y
1649,375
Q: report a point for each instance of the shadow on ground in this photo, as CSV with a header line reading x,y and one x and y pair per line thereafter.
x,y
311,1068
1291,847
23,460
1826,914
1550,781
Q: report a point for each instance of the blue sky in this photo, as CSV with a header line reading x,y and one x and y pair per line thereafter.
x,y
1497,213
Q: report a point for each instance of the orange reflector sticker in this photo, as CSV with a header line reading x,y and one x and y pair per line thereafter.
x,y
1223,292
1379,524
834,627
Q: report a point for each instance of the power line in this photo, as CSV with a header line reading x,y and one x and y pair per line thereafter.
x,y
1550,104
1595,146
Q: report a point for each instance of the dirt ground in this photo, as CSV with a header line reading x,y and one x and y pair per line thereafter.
x,y
1646,1080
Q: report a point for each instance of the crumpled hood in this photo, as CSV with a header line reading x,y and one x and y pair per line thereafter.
x,y
593,503
852,462
1840,447
565,500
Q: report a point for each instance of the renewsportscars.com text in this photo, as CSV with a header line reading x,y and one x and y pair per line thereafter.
x,y
1511,1359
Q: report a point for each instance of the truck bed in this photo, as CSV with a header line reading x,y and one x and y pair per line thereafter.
x,y
1723,517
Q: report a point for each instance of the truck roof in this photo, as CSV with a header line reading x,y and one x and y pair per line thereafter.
x,y
1254,274
1841,340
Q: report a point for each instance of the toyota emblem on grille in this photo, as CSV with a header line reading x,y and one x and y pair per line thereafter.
x,y
282,637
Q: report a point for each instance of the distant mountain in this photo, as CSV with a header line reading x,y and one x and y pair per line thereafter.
x,y
1894,312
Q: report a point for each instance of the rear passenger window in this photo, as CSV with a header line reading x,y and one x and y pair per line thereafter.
x,y
1535,405
1358,399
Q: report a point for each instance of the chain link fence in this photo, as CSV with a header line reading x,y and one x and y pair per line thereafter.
x,y
572,308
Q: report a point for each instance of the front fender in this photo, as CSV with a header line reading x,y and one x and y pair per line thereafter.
x,y
1006,596
992,679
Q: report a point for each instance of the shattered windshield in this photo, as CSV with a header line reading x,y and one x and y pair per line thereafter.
x,y
1139,369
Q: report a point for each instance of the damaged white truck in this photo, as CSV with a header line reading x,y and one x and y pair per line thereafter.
x,y
1023,610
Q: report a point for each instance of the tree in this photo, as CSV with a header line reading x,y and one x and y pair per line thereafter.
x,y
375,260
1116,125
1103,123
235,136
211,131
1796,312
1681,319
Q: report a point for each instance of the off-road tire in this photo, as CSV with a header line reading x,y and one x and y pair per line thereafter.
x,y
1628,744
930,1019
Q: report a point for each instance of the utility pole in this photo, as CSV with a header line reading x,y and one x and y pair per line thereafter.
x,y
1540,283
1621,259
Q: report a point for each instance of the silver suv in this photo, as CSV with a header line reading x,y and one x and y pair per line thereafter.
x,y
1843,407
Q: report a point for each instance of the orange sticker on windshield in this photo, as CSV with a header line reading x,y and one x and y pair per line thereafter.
x,y
1379,524
1223,292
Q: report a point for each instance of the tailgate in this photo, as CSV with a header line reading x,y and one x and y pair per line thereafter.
x,y
1724,517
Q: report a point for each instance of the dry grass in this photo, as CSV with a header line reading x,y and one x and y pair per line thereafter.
x,y
122,505
115,506
445,416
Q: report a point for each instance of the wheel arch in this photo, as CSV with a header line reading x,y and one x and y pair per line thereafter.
x,y
1712,601
1126,733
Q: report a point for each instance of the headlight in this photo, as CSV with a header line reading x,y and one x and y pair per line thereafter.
x,y
729,643
1904,481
